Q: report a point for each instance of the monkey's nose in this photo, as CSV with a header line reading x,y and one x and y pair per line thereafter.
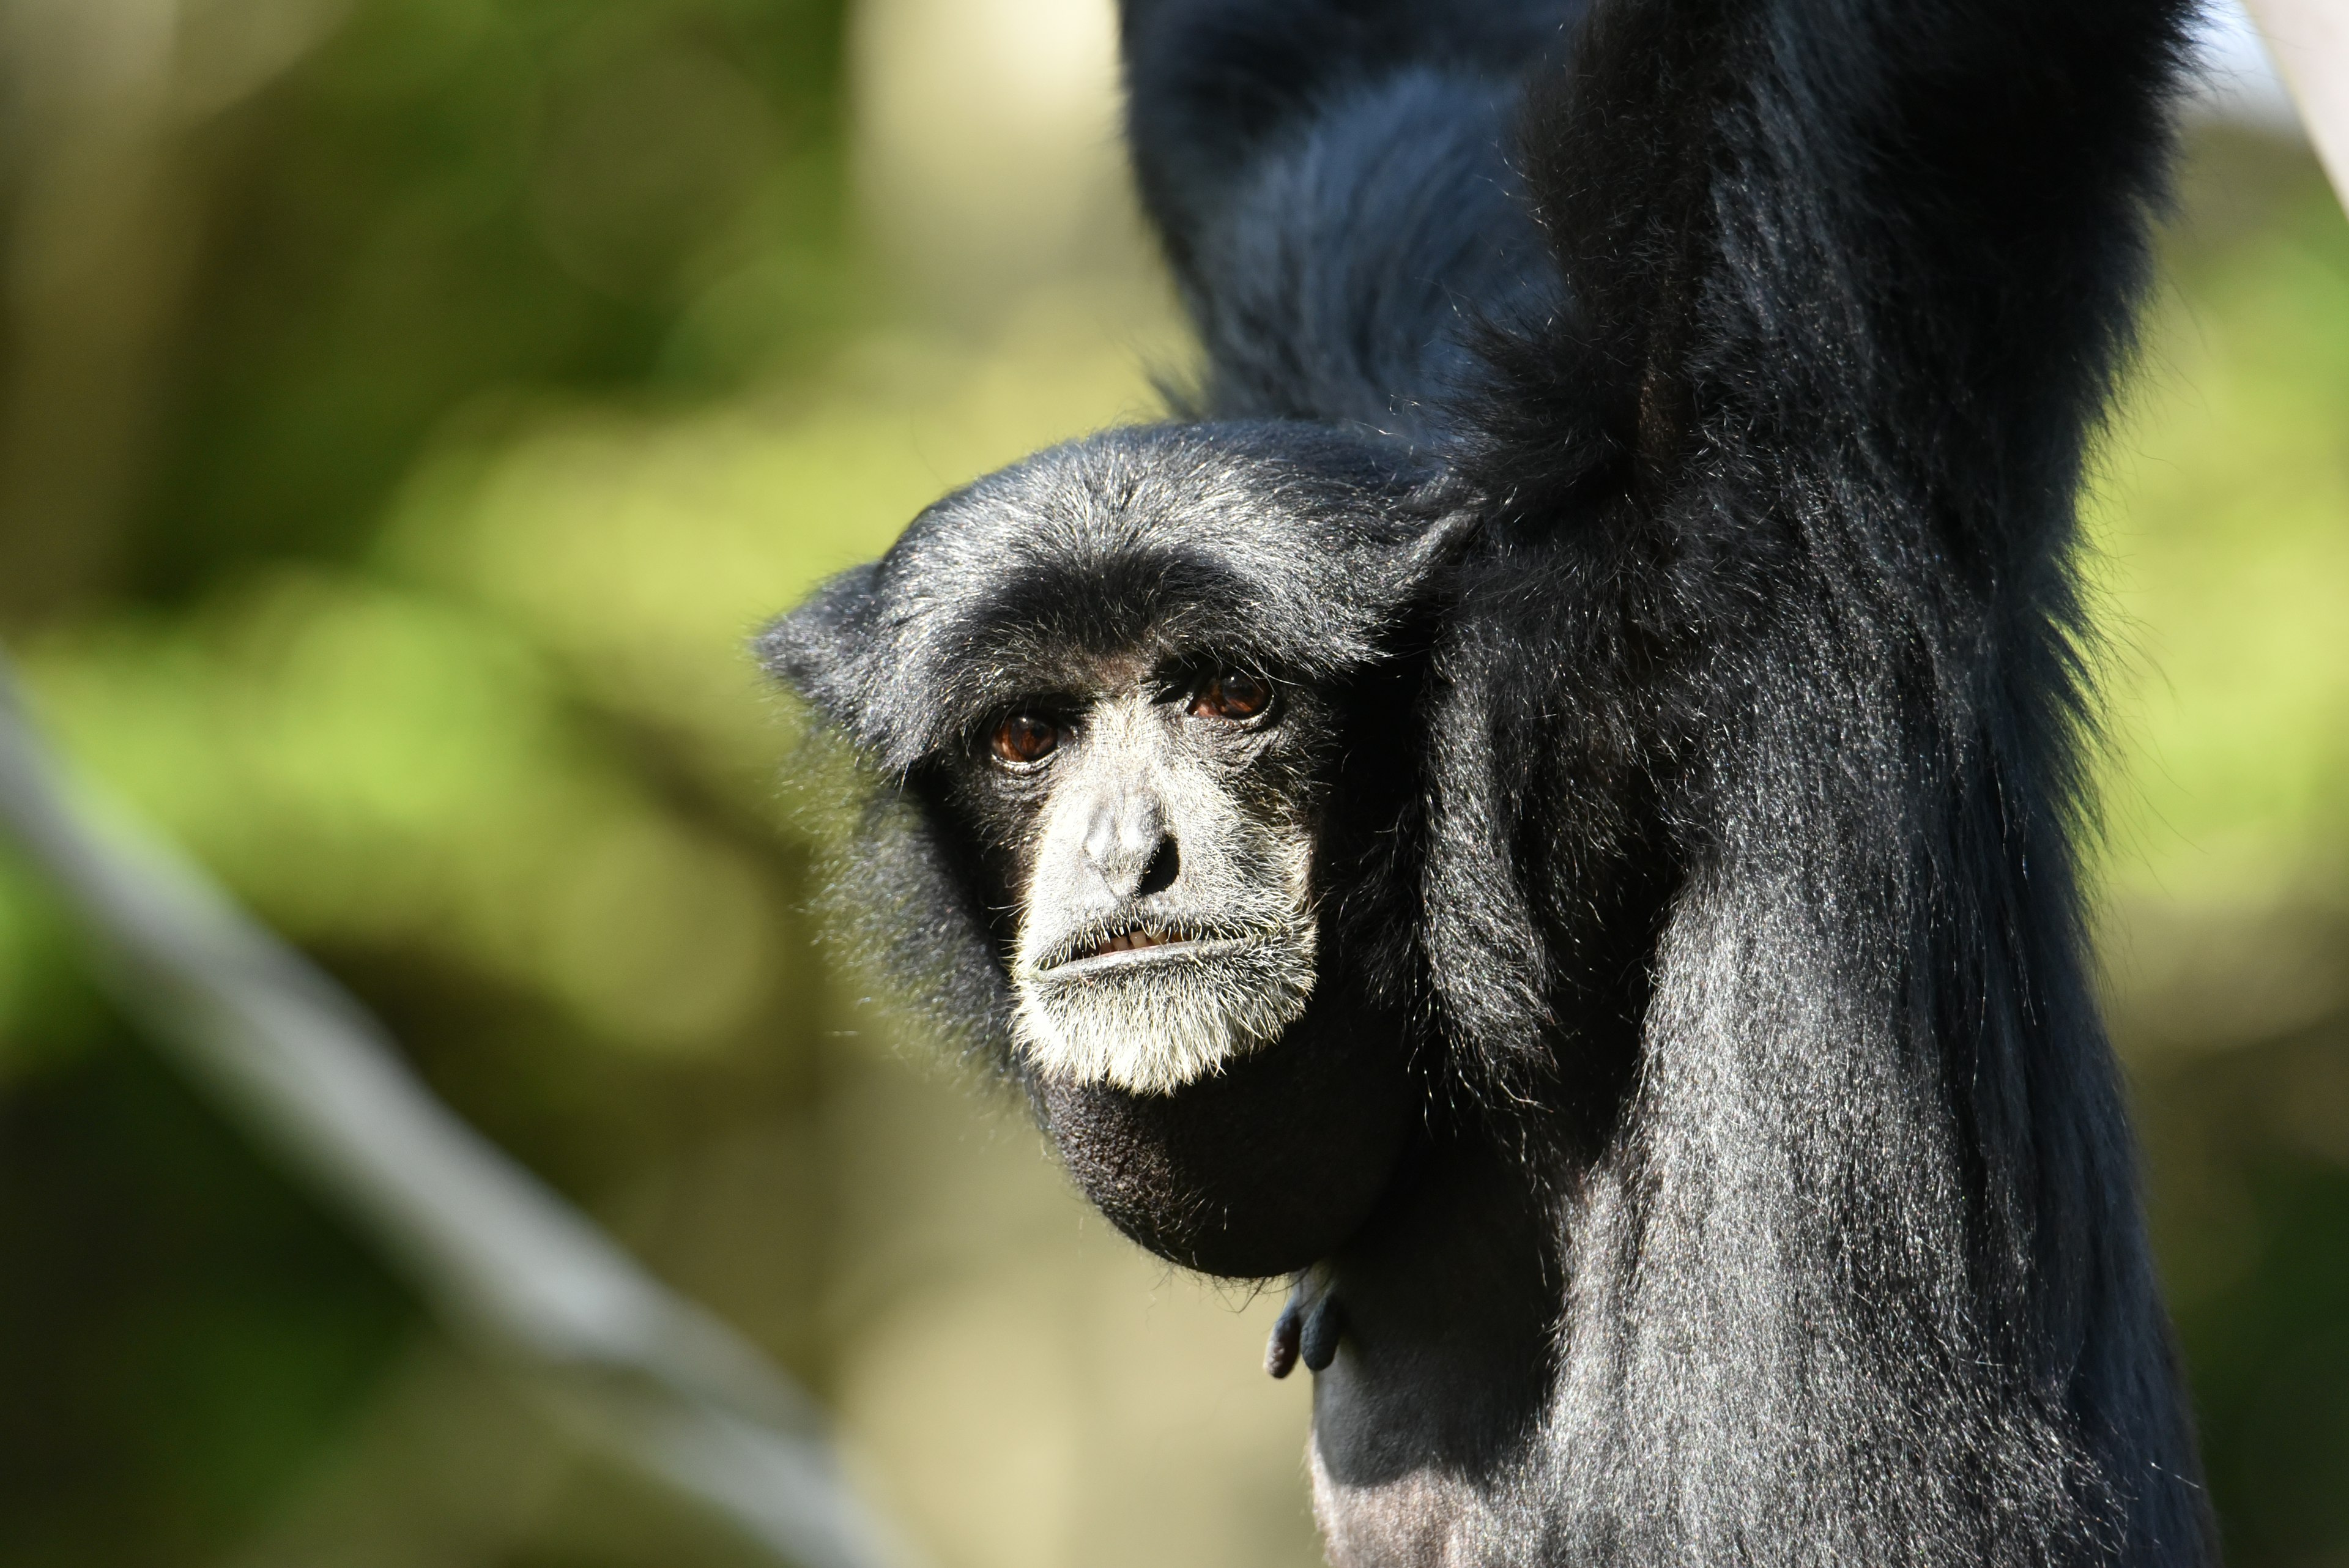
x,y
1165,864
1129,847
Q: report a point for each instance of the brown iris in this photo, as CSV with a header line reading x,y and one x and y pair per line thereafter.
x,y
1233,694
1024,740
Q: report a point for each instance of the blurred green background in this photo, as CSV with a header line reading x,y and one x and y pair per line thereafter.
x,y
407,409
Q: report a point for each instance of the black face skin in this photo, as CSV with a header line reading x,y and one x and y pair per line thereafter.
x,y
1598,712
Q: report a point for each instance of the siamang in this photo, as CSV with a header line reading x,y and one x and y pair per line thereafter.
x,y
1544,804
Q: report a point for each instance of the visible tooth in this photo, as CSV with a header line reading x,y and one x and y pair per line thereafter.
x,y
1134,940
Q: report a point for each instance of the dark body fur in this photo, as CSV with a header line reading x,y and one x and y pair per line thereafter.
x,y
1691,398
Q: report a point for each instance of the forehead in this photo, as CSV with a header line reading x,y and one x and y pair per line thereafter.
x,y
1153,547
1108,618
1280,548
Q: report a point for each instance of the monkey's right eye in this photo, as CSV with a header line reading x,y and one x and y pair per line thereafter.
x,y
1024,740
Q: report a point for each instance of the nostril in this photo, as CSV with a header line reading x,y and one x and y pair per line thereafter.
x,y
1165,864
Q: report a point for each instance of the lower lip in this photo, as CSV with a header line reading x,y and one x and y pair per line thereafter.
x,y
1100,963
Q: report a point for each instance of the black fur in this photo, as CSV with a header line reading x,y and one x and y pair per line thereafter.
x,y
1684,531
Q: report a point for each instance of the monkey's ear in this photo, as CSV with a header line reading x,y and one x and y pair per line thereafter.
x,y
824,651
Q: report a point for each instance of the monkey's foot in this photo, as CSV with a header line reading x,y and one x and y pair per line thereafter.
x,y
1308,1329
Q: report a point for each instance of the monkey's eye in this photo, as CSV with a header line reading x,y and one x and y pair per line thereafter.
x,y
1024,740
1232,694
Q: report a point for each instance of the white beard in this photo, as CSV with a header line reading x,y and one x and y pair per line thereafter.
x,y
1151,1027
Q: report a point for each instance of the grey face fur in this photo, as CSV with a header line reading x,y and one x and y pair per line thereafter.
x,y
1094,588
1166,921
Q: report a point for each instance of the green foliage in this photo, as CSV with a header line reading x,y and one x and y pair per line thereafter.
x,y
457,198
2227,524
526,358
2226,530
179,1327
449,213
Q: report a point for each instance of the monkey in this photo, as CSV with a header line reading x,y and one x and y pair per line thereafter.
x,y
1543,804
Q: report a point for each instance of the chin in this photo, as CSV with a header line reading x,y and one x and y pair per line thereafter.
x,y
1259,1168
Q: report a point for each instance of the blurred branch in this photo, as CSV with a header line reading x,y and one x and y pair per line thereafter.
x,y
2310,40
514,1270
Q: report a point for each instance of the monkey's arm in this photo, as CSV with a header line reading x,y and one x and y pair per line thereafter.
x,y
1329,180
1787,488
1845,247
1213,86
1781,496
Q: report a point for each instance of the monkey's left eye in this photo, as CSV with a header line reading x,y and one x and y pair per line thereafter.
x,y
1024,740
1233,694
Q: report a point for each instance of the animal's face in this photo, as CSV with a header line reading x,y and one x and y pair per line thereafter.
x,y
1156,828
1127,662
1141,804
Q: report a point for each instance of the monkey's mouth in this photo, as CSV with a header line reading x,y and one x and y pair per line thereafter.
x,y
1131,941
1124,945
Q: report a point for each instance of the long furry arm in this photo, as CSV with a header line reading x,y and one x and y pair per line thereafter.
x,y
1895,239
1783,493
1213,84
